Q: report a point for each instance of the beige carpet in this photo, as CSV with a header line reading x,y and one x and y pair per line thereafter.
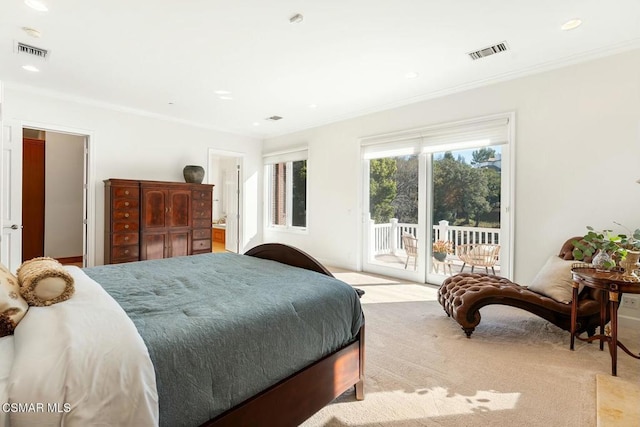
x,y
421,370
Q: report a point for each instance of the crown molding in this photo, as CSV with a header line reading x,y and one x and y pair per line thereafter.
x,y
117,108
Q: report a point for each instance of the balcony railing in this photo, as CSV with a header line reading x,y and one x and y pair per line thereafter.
x,y
387,238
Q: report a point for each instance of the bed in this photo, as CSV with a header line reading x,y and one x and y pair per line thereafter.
x,y
224,339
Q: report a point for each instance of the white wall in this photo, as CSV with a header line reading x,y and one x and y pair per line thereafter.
x,y
577,159
138,147
64,176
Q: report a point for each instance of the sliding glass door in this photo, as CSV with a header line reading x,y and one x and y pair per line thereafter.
x,y
439,204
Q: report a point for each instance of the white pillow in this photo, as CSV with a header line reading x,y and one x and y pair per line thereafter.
x,y
555,280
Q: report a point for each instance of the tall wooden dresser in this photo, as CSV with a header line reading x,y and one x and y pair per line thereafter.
x,y
155,219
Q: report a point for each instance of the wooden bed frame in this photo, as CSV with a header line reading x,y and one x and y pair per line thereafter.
x,y
298,397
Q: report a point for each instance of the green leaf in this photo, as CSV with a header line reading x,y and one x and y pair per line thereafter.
x,y
578,254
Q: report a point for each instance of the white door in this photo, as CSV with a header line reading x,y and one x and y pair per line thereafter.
x,y
231,199
11,197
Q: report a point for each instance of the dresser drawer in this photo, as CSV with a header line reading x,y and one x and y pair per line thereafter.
x,y
202,205
126,192
125,239
202,195
126,226
202,214
199,245
125,204
202,233
131,214
201,223
125,252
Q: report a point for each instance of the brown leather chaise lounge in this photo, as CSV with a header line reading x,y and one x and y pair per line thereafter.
x,y
463,295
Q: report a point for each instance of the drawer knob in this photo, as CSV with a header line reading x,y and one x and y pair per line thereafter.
x,y
127,251
201,204
126,203
126,215
126,238
126,192
126,226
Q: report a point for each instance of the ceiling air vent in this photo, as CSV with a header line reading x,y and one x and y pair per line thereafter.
x,y
274,118
488,51
32,50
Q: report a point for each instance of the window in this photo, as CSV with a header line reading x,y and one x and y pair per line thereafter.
x,y
286,180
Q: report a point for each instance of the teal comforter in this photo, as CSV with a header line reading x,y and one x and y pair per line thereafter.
x,y
222,327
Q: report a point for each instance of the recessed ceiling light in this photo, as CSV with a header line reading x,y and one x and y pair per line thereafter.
x,y
36,5
313,106
226,98
32,32
30,68
411,75
296,19
571,24
222,92
256,124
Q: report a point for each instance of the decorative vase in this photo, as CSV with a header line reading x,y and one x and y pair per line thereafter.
x,y
193,174
602,261
630,264
440,256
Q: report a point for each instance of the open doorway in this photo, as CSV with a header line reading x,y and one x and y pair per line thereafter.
x,y
53,202
225,174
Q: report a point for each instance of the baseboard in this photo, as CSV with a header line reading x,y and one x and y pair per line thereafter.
x,y
336,263
628,321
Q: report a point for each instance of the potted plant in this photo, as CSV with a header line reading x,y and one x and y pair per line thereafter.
x,y
631,247
441,249
609,247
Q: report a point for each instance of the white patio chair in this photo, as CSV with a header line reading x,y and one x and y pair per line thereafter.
x,y
410,244
479,255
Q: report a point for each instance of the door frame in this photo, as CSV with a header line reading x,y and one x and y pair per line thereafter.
x,y
89,230
240,157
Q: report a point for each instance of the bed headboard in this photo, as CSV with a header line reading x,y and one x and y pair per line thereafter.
x,y
288,255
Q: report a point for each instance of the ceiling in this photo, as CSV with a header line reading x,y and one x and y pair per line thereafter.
x,y
167,58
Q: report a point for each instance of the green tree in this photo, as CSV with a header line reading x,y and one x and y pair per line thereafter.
x,y
299,194
482,155
382,188
493,186
405,203
459,191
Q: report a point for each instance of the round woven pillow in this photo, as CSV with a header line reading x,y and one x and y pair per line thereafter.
x,y
44,281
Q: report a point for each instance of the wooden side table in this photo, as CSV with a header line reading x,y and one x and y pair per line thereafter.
x,y
615,284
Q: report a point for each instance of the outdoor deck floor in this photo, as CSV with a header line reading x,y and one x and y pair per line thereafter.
x,y
397,261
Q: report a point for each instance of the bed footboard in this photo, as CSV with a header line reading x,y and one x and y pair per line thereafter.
x,y
294,399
